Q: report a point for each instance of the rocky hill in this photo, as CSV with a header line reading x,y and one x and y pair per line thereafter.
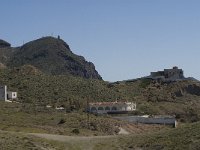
x,y
54,75
51,55
4,44
6,52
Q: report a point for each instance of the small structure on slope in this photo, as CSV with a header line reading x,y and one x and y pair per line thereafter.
x,y
111,107
6,95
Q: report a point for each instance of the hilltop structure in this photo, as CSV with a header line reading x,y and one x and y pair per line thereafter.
x,y
6,95
111,107
173,74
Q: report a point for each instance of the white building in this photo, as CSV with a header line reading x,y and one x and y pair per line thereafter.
x,y
111,107
6,95
11,95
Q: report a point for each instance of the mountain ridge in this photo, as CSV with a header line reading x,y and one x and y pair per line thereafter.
x,y
51,56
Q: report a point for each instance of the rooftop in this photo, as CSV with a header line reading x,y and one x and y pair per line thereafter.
x,y
108,103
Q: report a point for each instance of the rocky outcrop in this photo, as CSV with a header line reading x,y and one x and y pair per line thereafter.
x,y
4,44
193,89
53,56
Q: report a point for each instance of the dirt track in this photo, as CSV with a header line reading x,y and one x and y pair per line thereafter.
x,y
64,138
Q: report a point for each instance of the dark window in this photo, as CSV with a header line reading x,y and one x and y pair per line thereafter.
x,y
114,108
100,108
107,108
93,109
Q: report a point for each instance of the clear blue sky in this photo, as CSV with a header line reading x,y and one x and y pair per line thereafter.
x,y
125,39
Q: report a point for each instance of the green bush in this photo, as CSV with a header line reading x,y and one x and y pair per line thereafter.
x,y
62,121
75,131
144,83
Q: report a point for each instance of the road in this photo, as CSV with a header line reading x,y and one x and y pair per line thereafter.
x,y
64,138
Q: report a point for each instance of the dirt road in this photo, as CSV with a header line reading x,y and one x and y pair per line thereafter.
x,y
64,138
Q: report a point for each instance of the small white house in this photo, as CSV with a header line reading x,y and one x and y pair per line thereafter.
x,y
6,95
11,95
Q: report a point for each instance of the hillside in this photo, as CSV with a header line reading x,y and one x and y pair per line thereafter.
x,y
19,141
17,120
6,52
56,90
54,75
51,55
186,137
177,98
39,119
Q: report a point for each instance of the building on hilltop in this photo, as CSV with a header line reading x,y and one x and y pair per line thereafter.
x,y
168,74
111,107
6,95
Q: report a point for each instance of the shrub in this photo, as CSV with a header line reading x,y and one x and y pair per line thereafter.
x,y
144,83
62,121
75,131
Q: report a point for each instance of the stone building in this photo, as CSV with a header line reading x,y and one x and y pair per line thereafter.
x,y
111,107
168,74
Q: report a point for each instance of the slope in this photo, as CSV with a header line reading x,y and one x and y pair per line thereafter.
x,y
185,137
178,98
33,86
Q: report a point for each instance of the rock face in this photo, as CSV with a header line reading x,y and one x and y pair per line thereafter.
x,y
168,92
53,56
193,89
4,44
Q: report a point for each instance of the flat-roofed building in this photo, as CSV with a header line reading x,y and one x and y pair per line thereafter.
x,y
111,107
168,74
